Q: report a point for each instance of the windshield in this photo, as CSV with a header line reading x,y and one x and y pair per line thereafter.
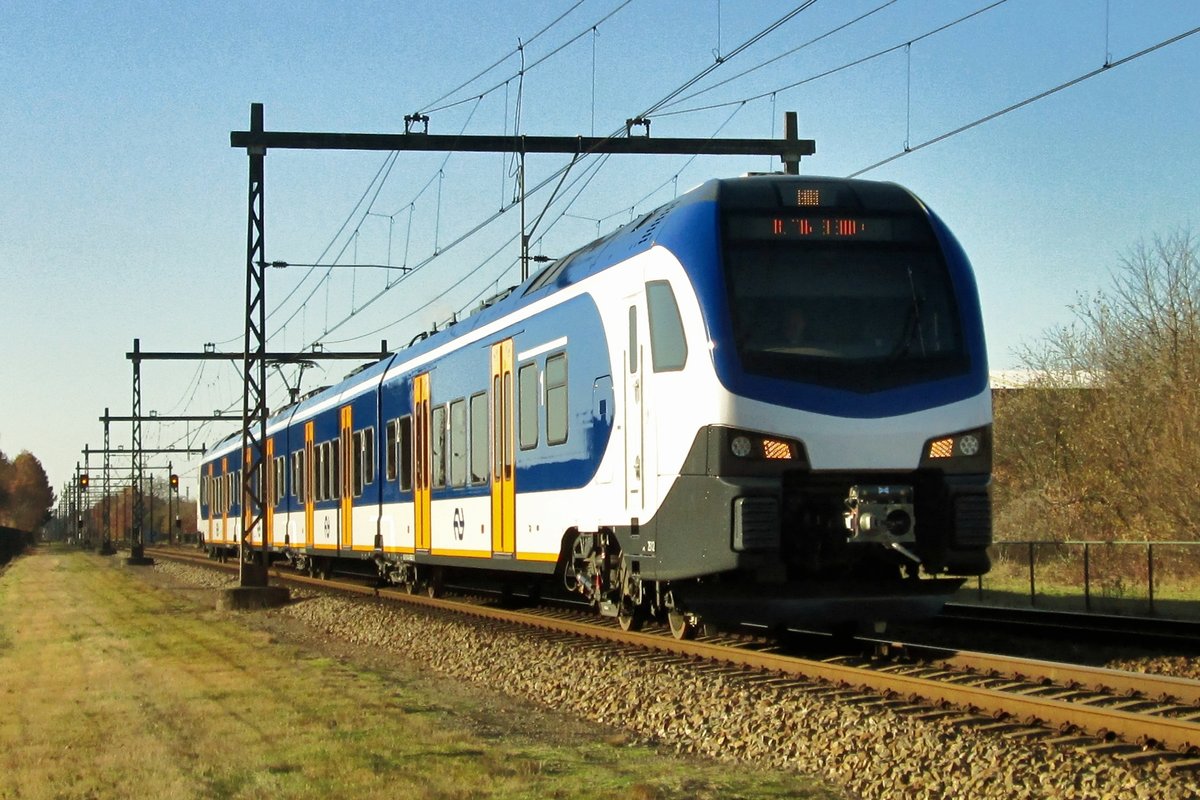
x,y
863,314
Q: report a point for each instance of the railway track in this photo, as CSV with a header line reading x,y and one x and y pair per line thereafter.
x,y
1138,718
1099,628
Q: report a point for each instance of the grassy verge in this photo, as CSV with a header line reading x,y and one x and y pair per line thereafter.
x,y
116,688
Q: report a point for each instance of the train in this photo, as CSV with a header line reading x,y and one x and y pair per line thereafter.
x,y
764,403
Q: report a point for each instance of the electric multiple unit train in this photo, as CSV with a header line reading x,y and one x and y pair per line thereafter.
x,y
766,402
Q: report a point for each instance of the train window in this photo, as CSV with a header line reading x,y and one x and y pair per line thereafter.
x,y
324,490
356,463
633,340
390,451
479,438
497,428
334,464
458,443
368,462
405,451
508,440
527,383
326,471
318,472
860,304
299,480
668,347
556,399
437,442
280,480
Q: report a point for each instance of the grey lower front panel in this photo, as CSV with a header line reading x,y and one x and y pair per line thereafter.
x,y
693,532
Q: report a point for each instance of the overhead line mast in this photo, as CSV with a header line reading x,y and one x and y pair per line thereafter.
x,y
257,140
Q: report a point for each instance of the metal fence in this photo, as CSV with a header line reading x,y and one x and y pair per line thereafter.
x,y
1154,578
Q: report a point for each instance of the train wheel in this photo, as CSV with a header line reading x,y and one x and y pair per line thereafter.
x,y
683,626
433,587
630,616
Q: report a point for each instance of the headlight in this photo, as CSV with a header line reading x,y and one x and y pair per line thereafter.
x,y
745,452
964,452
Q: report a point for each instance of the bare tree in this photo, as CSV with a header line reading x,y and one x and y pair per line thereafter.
x,y
1105,441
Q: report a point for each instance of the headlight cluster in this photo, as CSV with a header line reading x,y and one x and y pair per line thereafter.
x,y
966,451
754,445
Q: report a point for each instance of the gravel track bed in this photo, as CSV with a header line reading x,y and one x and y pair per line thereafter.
x,y
871,751
1178,666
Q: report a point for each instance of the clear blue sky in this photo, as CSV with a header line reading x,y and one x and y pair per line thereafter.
x,y
123,207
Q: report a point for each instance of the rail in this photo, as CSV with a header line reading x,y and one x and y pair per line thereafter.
x,y
1031,695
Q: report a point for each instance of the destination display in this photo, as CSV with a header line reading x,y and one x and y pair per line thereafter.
x,y
814,227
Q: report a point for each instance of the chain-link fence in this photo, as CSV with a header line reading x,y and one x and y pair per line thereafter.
x,y
1149,578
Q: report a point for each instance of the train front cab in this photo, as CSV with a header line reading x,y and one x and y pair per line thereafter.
x,y
853,458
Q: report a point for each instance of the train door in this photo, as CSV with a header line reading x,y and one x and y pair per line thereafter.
x,y
225,481
421,465
346,455
243,495
503,459
309,476
212,505
267,470
635,449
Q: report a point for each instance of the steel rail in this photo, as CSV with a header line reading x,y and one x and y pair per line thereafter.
x,y
1153,686
1180,734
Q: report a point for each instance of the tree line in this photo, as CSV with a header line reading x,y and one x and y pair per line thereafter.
x,y
1103,442
25,494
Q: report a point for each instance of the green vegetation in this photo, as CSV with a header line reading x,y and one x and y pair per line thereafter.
x,y
116,688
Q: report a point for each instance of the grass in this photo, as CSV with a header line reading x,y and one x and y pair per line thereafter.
x,y
1060,585
115,688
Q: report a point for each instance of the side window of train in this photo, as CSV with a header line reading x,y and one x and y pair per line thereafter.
x,y
479,438
633,340
368,462
335,469
303,492
357,467
437,441
391,467
280,479
668,347
318,472
527,383
458,443
325,469
404,446
556,399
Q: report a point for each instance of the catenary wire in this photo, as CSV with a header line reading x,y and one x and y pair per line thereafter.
x,y
1040,96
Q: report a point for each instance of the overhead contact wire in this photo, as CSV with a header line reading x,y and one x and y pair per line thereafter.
x,y
1040,96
